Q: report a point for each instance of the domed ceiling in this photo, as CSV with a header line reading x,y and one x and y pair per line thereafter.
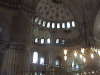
x,y
53,10
55,18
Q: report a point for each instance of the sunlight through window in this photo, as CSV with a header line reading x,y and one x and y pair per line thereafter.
x,y
35,57
73,24
68,24
42,61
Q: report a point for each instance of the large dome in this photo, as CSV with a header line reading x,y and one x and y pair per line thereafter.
x,y
53,10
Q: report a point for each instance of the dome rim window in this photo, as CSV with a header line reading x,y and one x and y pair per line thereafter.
x,y
44,23
73,23
42,41
36,40
48,41
48,25
40,21
36,19
53,25
68,25
58,25
63,25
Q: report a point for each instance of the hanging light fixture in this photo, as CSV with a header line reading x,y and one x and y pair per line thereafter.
x,y
65,58
81,56
84,59
82,50
65,51
92,55
75,54
99,51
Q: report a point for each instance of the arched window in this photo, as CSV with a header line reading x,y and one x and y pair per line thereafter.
x,y
42,41
36,20
40,21
63,25
73,24
75,66
58,25
63,42
44,23
35,73
40,73
68,24
57,41
36,40
42,61
57,63
53,25
48,25
35,57
48,40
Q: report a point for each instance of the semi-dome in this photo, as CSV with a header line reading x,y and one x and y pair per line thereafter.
x,y
41,33
97,27
53,10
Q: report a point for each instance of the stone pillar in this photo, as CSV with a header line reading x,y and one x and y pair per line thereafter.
x,y
16,57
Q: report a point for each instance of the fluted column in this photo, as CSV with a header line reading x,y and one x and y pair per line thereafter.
x,y
16,63
16,58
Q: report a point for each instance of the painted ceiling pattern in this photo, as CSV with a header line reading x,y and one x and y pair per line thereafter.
x,y
53,11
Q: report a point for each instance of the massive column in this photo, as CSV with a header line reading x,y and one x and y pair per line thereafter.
x,y
16,57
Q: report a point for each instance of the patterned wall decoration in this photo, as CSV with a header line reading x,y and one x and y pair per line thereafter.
x,y
53,11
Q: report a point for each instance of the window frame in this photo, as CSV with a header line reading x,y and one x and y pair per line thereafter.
x,y
35,57
68,25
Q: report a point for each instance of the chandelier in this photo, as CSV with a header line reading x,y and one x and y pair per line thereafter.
x,y
82,53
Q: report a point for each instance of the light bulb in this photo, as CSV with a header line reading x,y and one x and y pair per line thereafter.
x,y
84,72
81,56
65,51
89,72
99,52
82,50
92,55
96,50
84,59
92,71
75,54
65,58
